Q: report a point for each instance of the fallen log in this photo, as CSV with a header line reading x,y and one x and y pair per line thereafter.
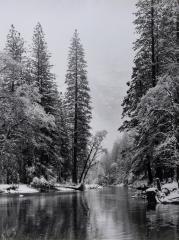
x,y
79,187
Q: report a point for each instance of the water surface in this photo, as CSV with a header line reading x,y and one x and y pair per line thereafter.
x,y
108,214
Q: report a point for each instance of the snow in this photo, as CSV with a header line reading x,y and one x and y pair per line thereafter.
x,y
21,189
171,198
170,186
153,189
27,189
63,189
93,186
120,185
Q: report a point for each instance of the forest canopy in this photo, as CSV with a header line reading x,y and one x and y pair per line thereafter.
x,y
151,106
44,133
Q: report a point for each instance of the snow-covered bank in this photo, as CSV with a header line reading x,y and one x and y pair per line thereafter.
x,y
86,187
93,186
120,185
21,189
17,189
170,186
27,189
169,193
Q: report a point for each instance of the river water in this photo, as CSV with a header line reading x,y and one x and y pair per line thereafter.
x,y
106,214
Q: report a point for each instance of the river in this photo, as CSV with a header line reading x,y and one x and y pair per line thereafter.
x,y
108,214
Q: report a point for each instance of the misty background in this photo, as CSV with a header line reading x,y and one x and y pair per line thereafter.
x,y
106,31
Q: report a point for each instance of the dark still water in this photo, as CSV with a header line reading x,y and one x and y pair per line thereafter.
x,y
106,214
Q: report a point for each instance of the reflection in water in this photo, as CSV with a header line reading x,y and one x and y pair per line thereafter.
x,y
106,214
44,217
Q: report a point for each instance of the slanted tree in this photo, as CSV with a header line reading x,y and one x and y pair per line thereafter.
x,y
94,152
78,107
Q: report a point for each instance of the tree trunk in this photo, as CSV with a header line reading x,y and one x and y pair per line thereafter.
x,y
75,140
79,187
149,171
153,45
157,67
85,165
159,173
177,28
177,174
158,184
177,57
85,174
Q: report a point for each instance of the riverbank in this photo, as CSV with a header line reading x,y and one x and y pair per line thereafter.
x,y
24,189
17,189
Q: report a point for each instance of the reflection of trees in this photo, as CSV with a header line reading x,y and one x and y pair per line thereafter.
x,y
45,217
108,214
114,215
163,223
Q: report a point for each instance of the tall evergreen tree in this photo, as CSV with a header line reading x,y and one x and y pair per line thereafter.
x,y
155,50
41,71
15,50
77,103
155,58
144,70
64,140
45,81
21,120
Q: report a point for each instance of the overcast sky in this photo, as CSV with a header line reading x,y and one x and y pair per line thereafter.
x,y
106,31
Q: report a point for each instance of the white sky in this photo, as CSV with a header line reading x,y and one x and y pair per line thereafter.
x,y
106,31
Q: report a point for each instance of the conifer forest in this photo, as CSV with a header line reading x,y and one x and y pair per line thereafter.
x,y
47,133
89,120
44,133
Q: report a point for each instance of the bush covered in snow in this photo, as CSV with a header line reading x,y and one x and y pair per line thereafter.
x,y
40,182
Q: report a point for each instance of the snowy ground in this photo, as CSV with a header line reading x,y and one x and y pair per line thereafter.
x,y
169,193
26,189
92,186
21,189
170,186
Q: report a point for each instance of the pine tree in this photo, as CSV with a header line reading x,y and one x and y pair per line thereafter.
x,y
144,71
155,58
45,81
15,50
41,71
21,121
155,51
77,101
64,140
